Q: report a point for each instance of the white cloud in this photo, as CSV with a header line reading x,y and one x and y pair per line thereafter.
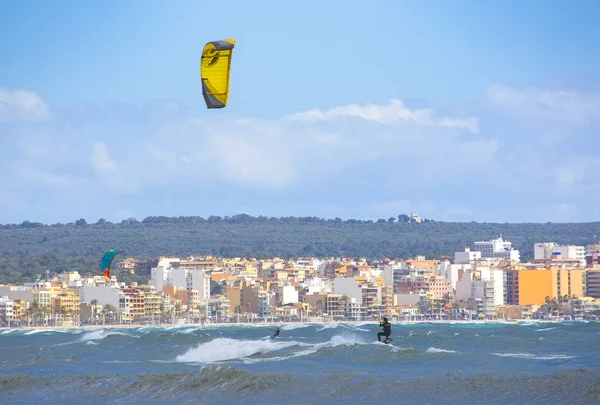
x,y
252,160
22,105
577,176
100,159
395,111
357,161
568,107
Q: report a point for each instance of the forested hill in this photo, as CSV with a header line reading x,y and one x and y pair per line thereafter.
x,y
247,236
244,235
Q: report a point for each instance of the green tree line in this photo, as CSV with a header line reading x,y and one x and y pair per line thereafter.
x,y
29,249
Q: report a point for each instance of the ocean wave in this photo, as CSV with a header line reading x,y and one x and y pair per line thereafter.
x,y
534,356
36,331
223,349
294,326
101,334
436,350
229,385
17,382
336,365
329,326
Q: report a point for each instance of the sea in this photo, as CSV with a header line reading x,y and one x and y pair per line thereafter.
x,y
338,363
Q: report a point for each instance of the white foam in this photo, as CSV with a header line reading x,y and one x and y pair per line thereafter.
x,y
100,334
176,327
396,349
337,340
295,326
436,350
534,356
329,326
34,331
355,327
222,349
545,329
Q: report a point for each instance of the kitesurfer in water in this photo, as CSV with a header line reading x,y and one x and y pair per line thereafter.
x,y
387,330
276,333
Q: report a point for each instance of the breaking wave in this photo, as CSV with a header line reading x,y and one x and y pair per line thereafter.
x,y
429,363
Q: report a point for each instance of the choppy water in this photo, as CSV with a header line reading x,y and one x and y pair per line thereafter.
x,y
534,363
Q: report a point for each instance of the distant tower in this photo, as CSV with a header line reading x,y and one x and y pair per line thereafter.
x,y
415,217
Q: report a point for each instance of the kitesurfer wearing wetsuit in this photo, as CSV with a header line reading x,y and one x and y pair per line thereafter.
x,y
387,329
276,333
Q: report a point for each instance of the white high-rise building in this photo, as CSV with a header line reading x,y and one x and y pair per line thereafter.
x,y
6,308
168,273
452,272
466,256
105,295
550,250
349,287
498,248
482,283
317,285
289,295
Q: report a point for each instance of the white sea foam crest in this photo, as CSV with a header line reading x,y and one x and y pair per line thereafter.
x,y
34,332
337,340
222,349
356,327
100,334
293,326
534,356
329,326
436,350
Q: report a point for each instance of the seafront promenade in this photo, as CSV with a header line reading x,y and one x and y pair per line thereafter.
x,y
273,324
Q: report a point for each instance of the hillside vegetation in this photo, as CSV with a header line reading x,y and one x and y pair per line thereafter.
x,y
28,249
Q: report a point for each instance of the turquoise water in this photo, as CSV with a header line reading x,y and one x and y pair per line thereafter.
x,y
428,363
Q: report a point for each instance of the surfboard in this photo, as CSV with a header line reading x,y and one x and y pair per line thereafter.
x,y
388,340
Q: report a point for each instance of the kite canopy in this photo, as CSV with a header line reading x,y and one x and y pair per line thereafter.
x,y
214,71
107,260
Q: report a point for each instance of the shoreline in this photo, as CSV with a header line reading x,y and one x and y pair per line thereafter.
x,y
311,322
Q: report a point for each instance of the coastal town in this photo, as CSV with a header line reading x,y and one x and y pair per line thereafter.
x,y
486,281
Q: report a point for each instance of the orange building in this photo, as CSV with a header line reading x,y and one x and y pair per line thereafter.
x,y
531,287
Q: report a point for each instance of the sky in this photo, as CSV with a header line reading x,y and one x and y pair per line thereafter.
x,y
461,111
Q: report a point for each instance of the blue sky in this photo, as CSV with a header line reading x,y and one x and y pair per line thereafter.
x,y
469,111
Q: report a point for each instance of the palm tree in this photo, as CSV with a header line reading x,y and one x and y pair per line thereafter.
x,y
5,317
343,301
238,311
318,311
109,310
33,311
219,307
201,312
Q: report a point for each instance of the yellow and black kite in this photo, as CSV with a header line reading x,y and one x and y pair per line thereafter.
x,y
214,71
